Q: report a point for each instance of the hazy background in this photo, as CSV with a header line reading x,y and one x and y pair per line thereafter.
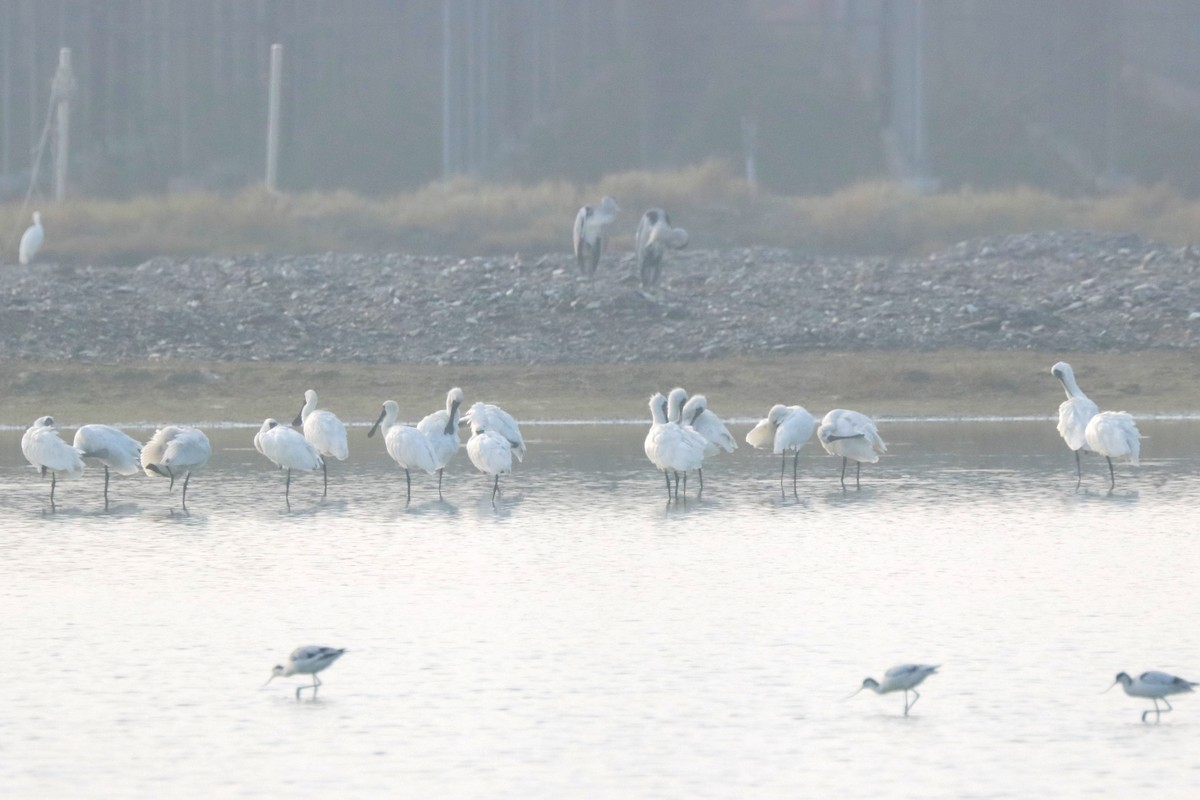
x,y
1067,95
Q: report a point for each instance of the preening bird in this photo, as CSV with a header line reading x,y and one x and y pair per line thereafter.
x,y
31,240
441,428
490,452
407,446
287,449
307,661
852,436
1114,434
784,428
1155,686
111,447
175,450
591,233
670,447
1074,414
677,398
325,432
485,416
905,677
654,235
46,451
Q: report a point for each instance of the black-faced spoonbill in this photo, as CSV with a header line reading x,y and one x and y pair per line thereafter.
x,y
654,235
784,428
307,661
287,449
1155,686
671,447
904,677
676,400
31,240
1114,434
325,432
176,449
485,416
46,451
407,446
490,452
590,233
111,447
441,427
851,435
1074,414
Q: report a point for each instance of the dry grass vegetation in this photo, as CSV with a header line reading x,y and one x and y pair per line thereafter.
x,y
468,217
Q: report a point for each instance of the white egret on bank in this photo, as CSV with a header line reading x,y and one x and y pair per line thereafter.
x,y
31,240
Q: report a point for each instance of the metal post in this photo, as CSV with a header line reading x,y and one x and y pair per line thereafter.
x,y
273,117
62,89
749,146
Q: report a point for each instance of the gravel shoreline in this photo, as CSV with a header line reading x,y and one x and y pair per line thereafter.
x,y
1069,291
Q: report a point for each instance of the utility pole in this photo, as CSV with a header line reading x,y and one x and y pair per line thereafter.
x,y
62,89
273,117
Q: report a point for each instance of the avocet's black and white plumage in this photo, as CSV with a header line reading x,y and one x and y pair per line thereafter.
x,y
31,240
1153,686
44,449
1074,414
654,235
407,446
784,428
325,432
441,428
113,448
591,233
174,450
486,416
852,436
1114,434
905,677
287,449
307,661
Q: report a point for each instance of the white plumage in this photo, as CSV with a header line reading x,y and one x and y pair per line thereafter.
x,y
44,449
31,240
407,446
113,448
590,233
175,450
307,661
703,421
490,452
905,677
441,428
325,432
1073,414
1155,686
671,447
288,449
485,416
1114,434
654,235
784,428
852,436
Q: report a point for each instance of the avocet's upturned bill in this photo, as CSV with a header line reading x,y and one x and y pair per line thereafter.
x,y
174,450
441,428
287,449
307,661
113,448
1153,686
852,436
325,432
1114,434
784,428
1074,414
44,449
905,677
407,446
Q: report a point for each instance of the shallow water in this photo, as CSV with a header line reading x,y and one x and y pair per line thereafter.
x,y
585,638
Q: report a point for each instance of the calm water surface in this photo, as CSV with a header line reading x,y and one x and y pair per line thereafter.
x,y
586,639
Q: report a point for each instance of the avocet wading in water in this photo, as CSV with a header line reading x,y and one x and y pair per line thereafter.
x,y
671,447
287,449
905,677
591,233
1074,414
113,448
852,436
654,235
307,661
1153,686
407,446
325,432
44,449
784,428
31,240
1114,434
176,450
441,428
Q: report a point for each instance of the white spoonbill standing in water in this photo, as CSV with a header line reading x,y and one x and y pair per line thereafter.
x,y
287,449
486,416
31,240
853,436
670,447
325,432
441,428
173,450
407,446
784,428
112,448
1153,686
490,451
45,450
307,661
590,233
905,677
1074,414
1114,434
